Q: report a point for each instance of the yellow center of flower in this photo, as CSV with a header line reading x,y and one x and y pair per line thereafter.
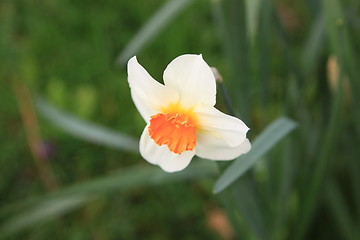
x,y
177,130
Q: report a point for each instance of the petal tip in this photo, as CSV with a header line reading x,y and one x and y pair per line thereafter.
x,y
132,59
132,63
247,146
169,170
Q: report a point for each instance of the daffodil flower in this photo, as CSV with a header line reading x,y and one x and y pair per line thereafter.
x,y
180,115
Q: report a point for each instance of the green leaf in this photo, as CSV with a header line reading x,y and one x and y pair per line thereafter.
x,y
252,17
85,130
334,21
267,140
311,53
340,210
157,23
248,206
41,213
56,204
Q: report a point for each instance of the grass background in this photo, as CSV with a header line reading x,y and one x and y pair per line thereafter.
x,y
279,57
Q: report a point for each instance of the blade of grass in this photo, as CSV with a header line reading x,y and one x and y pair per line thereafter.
x,y
240,57
312,189
246,215
267,140
333,17
85,130
234,40
252,17
247,203
281,197
54,205
354,170
351,66
44,212
228,204
148,32
221,26
263,52
310,55
339,209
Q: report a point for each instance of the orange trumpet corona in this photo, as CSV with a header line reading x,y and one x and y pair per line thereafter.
x,y
176,130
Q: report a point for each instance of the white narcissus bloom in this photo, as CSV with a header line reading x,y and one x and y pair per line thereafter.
x,y
180,115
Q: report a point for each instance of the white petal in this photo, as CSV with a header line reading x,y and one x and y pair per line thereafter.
x,y
208,149
149,95
193,78
225,129
162,156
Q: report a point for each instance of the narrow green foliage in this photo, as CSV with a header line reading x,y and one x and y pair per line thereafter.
x,y
334,125
339,209
248,205
314,42
46,211
56,204
85,130
253,8
265,142
148,32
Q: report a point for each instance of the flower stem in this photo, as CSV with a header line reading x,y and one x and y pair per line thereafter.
x,y
227,101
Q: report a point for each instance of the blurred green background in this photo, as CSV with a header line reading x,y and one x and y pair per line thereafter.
x,y
277,57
